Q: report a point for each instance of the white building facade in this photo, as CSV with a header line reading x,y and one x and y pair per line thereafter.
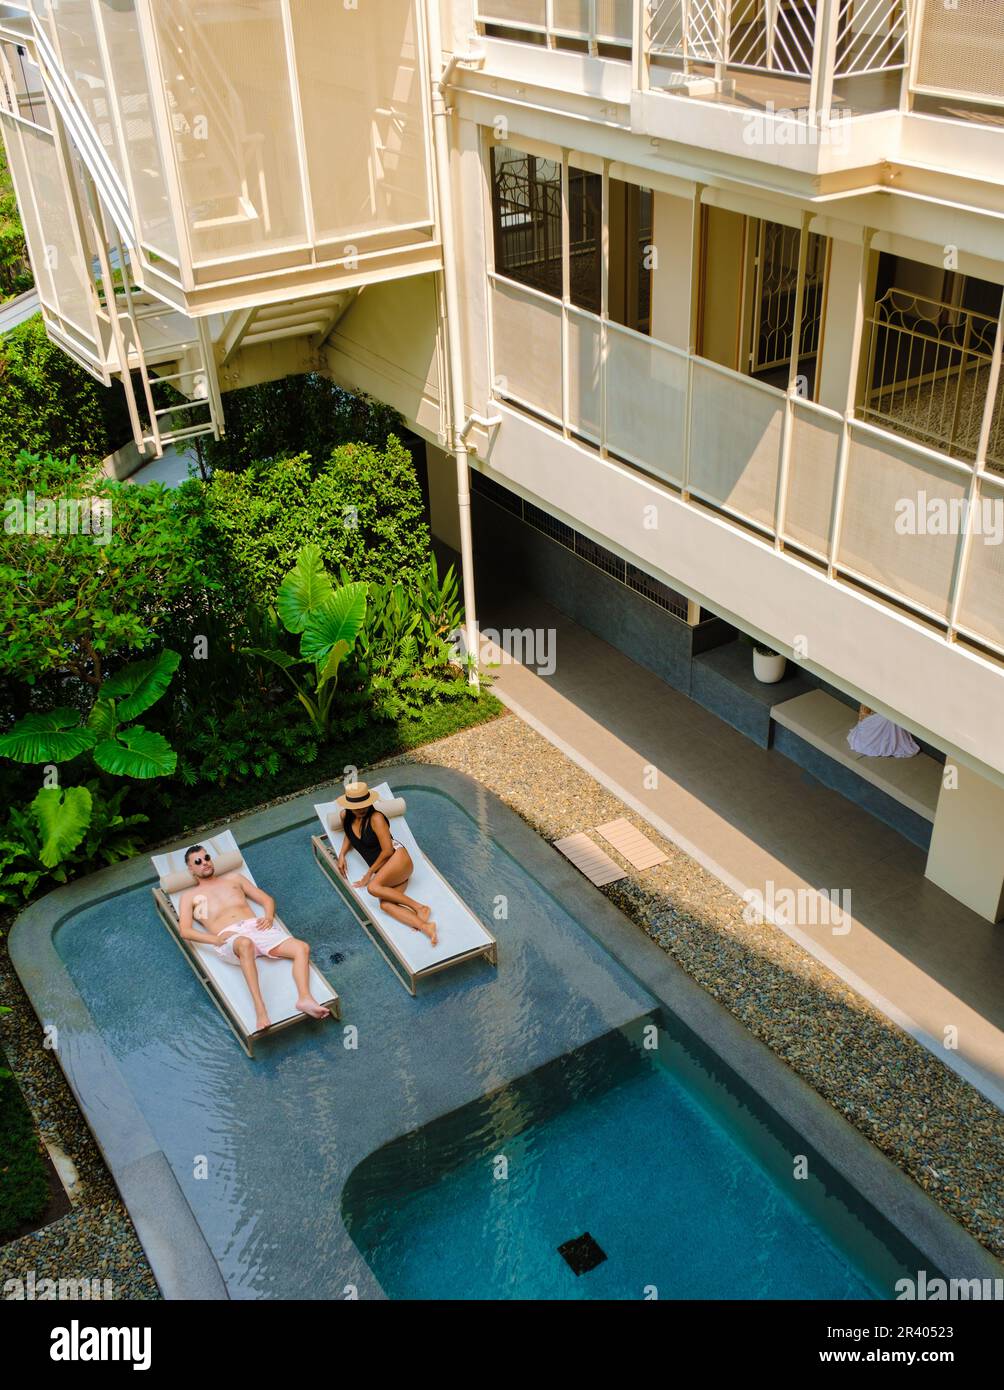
x,y
708,291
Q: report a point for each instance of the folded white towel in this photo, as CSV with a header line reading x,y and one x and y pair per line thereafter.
x,y
878,737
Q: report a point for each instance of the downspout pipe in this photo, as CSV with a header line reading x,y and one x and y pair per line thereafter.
x,y
451,296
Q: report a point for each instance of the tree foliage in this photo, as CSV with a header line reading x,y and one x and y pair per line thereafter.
x,y
72,607
297,415
50,405
15,271
362,507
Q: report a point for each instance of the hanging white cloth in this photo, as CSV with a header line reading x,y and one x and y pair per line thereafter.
x,y
878,737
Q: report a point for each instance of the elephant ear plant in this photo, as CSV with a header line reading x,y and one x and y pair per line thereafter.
x,y
327,621
61,818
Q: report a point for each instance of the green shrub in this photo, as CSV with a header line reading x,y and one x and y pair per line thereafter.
x,y
49,405
73,607
15,272
299,414
24,1184
362,507
247,745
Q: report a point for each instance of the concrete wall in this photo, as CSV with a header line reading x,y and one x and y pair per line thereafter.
x,y
507,550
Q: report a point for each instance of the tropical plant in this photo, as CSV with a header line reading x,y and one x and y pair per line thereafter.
x,y
62,830
117,746
404,657
247,743
61,818
327,621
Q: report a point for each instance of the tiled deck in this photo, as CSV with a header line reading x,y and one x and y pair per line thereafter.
x,y
752,817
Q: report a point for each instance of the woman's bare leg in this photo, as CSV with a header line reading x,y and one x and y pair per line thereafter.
x,y
387,886
408,918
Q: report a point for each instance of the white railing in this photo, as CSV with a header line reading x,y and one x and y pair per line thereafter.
x,y
853,37
865,506
592,22
815,40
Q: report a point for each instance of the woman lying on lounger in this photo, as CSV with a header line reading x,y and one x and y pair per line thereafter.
x,y
367,831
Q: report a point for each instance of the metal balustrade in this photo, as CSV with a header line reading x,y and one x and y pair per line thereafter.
x,y
885,513
674,41
928,374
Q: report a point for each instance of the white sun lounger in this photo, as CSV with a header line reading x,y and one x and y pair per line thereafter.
x,y
224,982
408,953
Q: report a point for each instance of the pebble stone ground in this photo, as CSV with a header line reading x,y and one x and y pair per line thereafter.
x,y
938,1128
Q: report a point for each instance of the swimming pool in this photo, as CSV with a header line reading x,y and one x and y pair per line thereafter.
x,y
640,1152
336,1161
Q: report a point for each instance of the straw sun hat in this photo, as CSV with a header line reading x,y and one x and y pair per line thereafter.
x,y
357,797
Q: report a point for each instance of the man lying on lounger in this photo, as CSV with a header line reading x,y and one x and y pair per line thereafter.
x,y
221,905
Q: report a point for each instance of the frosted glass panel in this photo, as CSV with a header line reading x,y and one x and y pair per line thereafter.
x,y
56,256
812,478
361,85
231,112
527,330
735,443
881,478
646,403
143,153
77,39
982,607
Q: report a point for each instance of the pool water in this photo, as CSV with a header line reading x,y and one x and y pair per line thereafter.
x,y
643,1142
389,1121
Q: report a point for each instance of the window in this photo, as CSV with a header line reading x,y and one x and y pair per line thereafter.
x,y
526,207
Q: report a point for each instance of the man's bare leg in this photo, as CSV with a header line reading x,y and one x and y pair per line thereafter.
x,y
299,953
245,954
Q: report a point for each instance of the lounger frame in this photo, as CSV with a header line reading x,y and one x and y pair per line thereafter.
x,y
327,861
168,915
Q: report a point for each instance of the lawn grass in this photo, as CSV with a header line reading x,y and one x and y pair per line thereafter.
x,y
24,1181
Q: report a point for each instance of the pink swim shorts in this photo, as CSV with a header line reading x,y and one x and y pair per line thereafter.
x,y
264,942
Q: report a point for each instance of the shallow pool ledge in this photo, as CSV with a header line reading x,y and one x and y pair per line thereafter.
x,y
182,1261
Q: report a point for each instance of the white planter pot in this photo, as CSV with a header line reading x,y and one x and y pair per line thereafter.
x,y
768,669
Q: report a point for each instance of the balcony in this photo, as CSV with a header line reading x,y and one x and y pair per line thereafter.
x,y
817,63
827,491
209,133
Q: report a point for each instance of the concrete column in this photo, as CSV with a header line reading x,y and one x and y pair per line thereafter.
x,y
443,512
966,857
672,235
848,302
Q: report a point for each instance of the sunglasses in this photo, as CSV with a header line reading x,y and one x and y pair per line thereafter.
x,y
196,859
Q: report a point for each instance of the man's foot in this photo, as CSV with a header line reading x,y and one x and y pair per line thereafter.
x,y
262,1021
310,1006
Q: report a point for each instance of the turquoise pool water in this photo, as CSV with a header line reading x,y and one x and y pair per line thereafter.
x,y
388,1122
645,1142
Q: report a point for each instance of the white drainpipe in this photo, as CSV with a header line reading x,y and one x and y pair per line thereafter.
x,y
457,408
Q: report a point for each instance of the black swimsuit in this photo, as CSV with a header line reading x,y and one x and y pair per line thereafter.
x,y
367,844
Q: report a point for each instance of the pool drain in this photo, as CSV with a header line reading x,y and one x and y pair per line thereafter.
x,y
582,1254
